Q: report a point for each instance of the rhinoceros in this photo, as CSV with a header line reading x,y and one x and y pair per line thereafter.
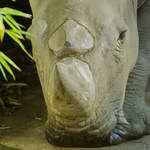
x,y
93,61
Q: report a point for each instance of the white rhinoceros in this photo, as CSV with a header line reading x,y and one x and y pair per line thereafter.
x,y
85,52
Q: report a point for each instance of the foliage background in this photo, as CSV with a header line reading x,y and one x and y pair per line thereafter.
x,y
9,26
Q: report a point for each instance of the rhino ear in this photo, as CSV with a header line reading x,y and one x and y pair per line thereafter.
x,y
140,3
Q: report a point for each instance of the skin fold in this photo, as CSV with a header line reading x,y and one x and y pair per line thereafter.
x,y
85,52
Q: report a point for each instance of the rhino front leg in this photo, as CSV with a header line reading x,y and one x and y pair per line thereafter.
x,y
135,108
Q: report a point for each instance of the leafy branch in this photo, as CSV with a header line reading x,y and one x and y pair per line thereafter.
x,y
16,32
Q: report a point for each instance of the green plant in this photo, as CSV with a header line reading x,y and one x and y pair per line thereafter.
x,y
16,32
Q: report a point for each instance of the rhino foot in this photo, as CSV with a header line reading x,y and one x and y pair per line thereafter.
x,y
122,133
119,134
139,125
139,119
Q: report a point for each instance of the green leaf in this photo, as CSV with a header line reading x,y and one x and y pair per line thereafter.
x,y
16,33
10,11
22,26
3,72
11,34
13,21
12,26
23,32
9,61
13,85
2,29
7,67
19,33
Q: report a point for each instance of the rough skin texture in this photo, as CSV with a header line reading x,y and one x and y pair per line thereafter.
x,y
85,58
136,110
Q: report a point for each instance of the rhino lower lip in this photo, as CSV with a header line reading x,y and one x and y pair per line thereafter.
x,y
76,78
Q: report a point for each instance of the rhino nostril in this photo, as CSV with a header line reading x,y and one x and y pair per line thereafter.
x,y
71,36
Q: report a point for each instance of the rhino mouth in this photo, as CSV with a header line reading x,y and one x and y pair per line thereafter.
x,y
88,138
89,133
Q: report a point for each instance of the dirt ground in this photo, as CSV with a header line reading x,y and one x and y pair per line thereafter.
x,y
26,124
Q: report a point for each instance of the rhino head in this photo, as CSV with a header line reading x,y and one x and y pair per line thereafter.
x,y
84,51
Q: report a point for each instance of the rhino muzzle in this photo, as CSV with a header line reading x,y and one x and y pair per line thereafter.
x,y
72,105
74,88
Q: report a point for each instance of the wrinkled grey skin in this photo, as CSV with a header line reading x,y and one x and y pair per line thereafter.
x,y
85,52
135,109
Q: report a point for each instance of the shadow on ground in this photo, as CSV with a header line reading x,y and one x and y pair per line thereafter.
x,y
3,147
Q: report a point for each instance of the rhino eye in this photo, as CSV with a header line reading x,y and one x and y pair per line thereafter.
x,y
122,36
